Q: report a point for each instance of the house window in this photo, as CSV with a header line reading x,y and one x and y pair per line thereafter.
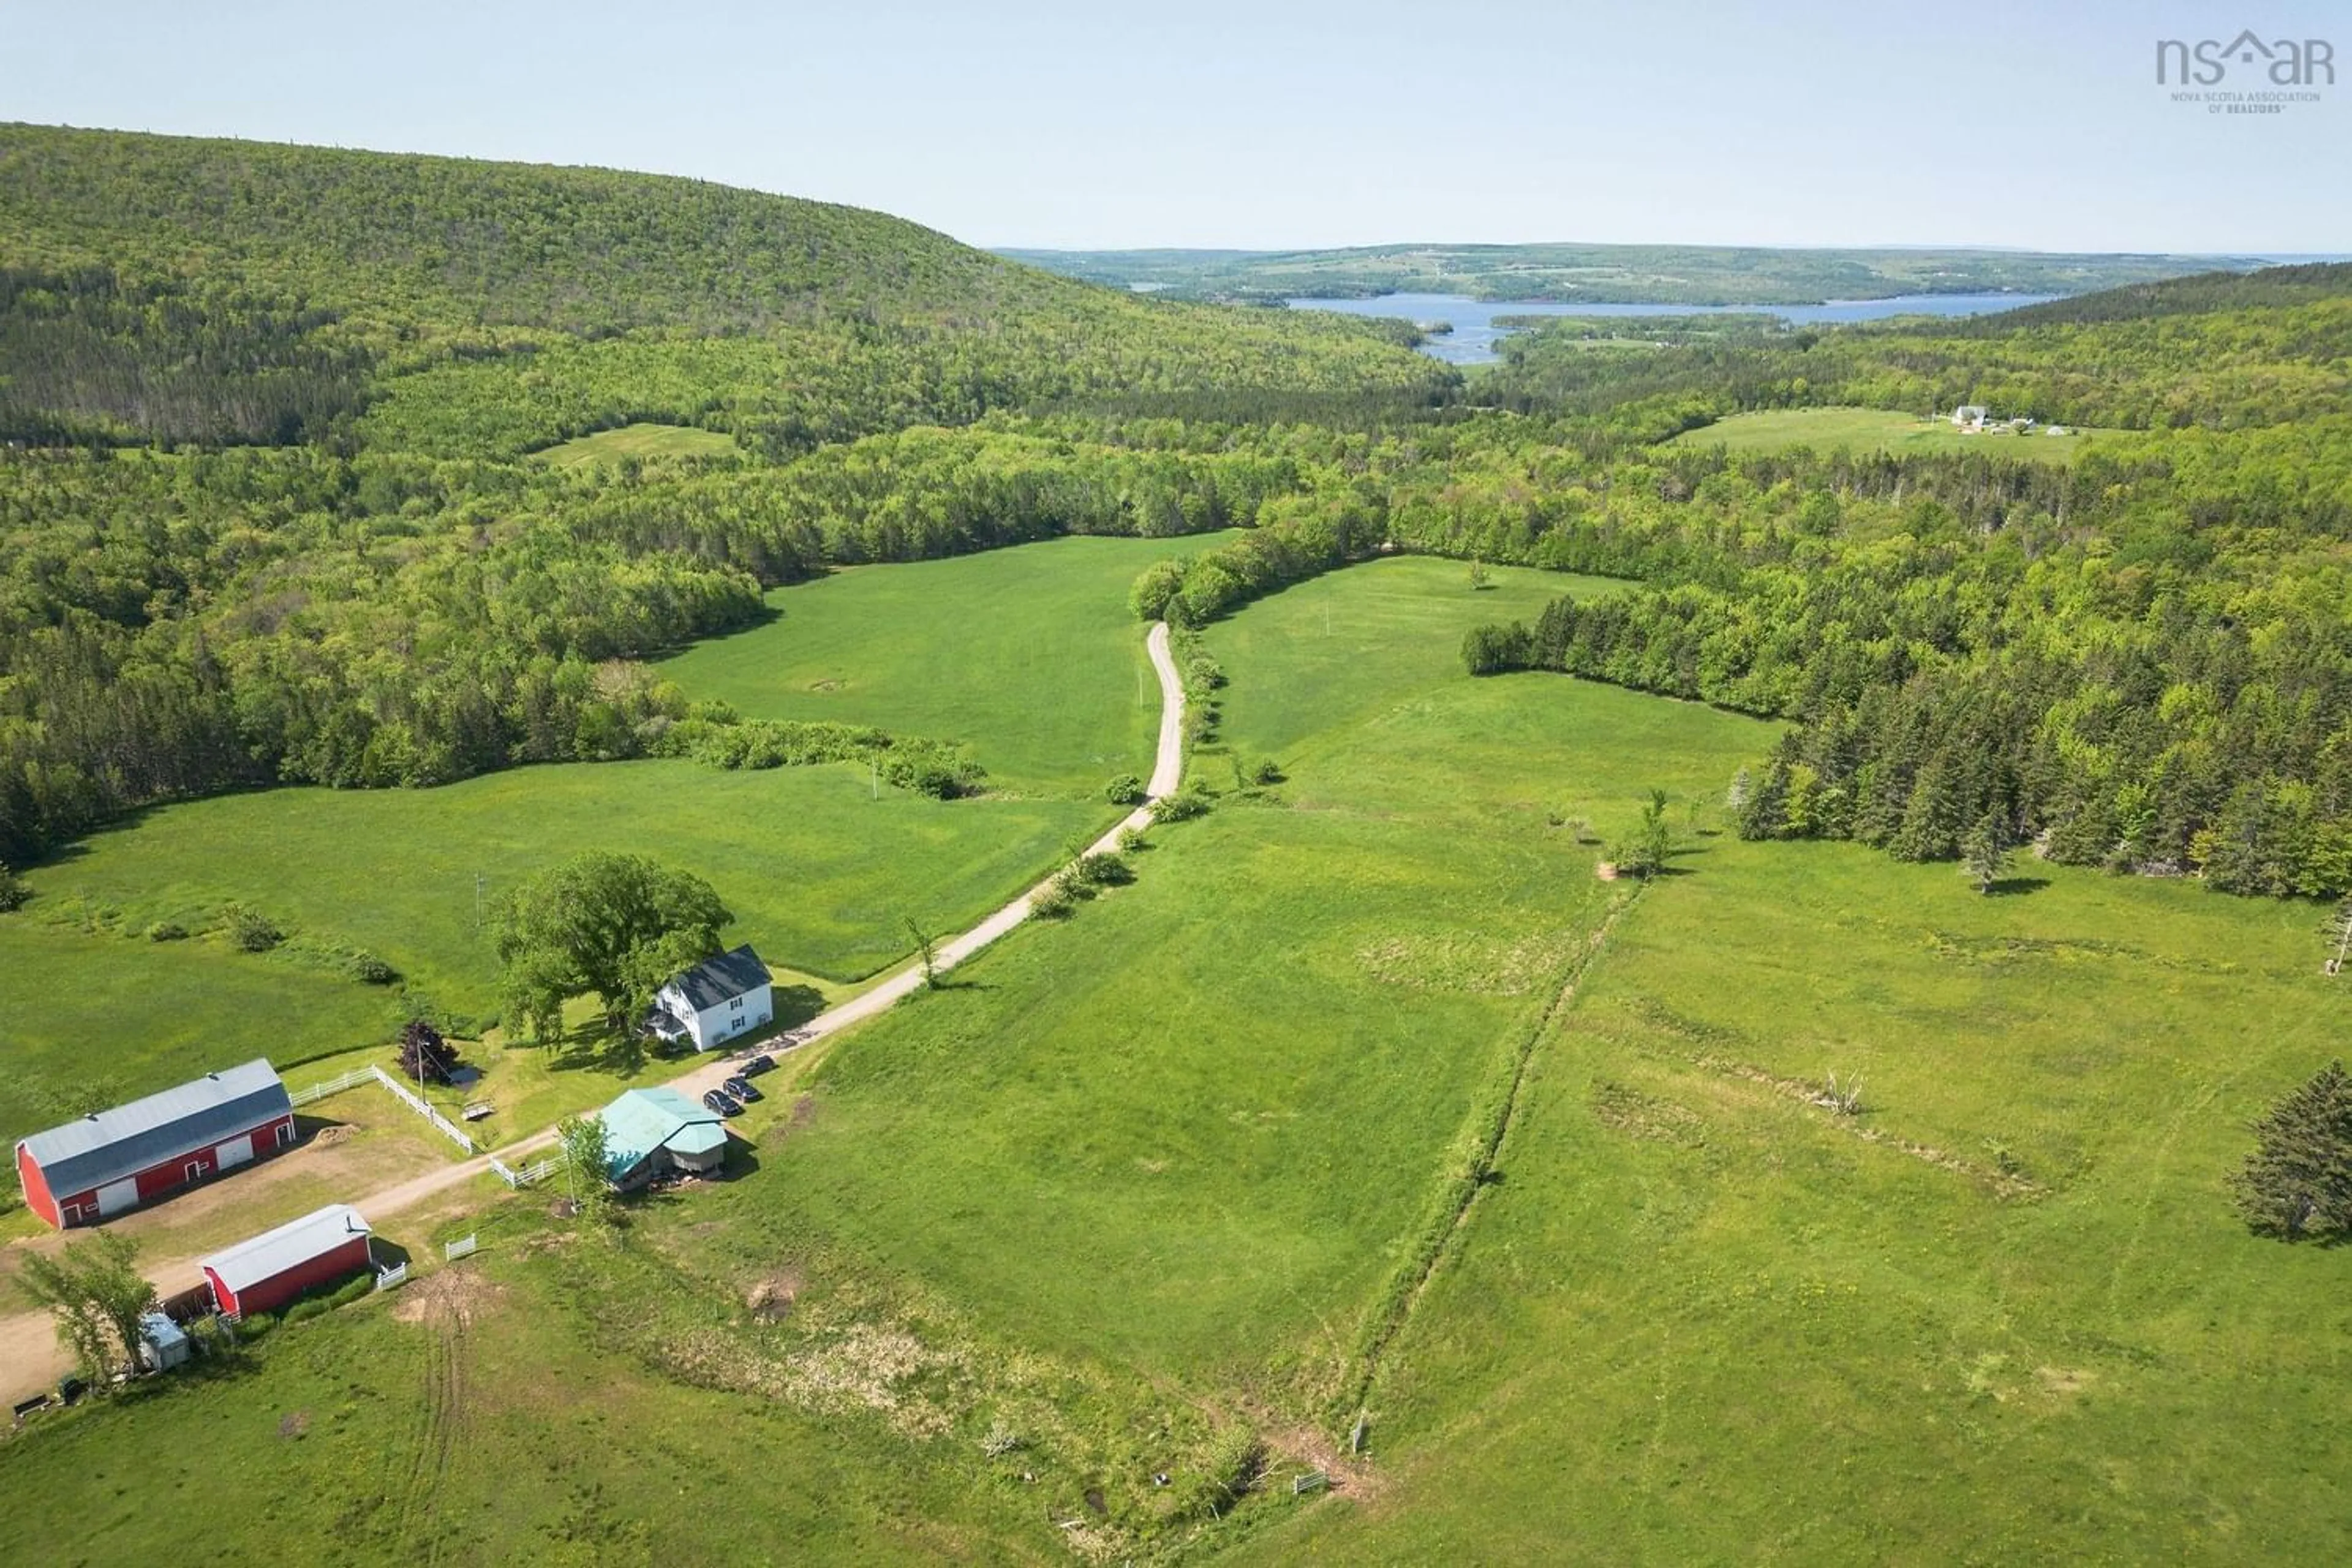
x,y
735,1006
196,1170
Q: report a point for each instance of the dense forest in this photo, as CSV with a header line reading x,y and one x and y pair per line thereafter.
x,y
2143,661
270,509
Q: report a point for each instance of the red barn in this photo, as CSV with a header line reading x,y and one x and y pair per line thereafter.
x,y
264,1273
115,1160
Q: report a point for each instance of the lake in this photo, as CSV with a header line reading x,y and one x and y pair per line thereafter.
x,y
1475,334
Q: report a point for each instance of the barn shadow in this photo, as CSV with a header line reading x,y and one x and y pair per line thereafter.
x,y
308,1129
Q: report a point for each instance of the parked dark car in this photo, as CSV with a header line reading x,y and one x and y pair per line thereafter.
x,y
741,1087
721,1102
759,1064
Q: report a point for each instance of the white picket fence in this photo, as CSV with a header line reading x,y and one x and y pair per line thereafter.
x,y
317,1092
462,1248
385,1279
455,1133
528,1174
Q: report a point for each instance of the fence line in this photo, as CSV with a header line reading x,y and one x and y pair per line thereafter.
x,y
336,1085
462,1248
456,1134
385,1279
528,1174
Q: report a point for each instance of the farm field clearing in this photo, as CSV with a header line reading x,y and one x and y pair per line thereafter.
x,y
642,441
1700,1319
1884,430
818,872
1192,1132
1027,654
1143,1178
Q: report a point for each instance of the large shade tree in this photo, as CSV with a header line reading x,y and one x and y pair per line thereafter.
x,y
615,926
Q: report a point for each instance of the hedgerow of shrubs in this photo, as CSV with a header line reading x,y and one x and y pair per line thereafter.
x,y
713,734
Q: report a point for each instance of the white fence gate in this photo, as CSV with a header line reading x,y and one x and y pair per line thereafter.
x,y
385,1279
462,1248
528,1174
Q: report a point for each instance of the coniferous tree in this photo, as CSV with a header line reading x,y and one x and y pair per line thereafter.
x,y
2297,1182
1986,852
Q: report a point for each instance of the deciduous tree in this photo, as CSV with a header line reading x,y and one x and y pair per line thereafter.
x,y
99,1295
614,925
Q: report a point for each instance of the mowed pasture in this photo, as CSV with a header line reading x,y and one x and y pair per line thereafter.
x,y
1882,430
2005,1314
820,873
1192,1131
1034,662
1141,1179
1029,654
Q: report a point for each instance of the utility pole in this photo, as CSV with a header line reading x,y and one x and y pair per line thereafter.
x,y
877,765
477,904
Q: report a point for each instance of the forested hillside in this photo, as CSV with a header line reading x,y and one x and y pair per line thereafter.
x,y
264,509
2143,661
268,509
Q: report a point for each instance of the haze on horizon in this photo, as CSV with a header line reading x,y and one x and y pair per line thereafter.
x,y
1313,125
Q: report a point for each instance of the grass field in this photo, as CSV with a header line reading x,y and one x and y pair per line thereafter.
x,y
1878,429
1137,1184
488,1415
1043,675
2005,1315
645,443
1030,654
1189,1135
818,873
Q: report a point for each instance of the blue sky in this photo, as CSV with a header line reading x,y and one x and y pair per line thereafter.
x,y
1284,122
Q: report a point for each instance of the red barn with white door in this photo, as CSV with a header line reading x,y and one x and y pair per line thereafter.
x,y
110,1160
271,1270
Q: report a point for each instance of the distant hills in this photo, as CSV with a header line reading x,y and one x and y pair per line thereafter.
x,y
1613,274
182,288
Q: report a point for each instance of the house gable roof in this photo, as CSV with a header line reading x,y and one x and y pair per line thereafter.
x,y
645,1119
108,1146
291,1245
719,980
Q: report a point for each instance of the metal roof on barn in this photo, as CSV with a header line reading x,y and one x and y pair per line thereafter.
x,y
108,1146
722,979
291,1245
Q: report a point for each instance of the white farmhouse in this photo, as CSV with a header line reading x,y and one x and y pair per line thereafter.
x,y
715,1000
